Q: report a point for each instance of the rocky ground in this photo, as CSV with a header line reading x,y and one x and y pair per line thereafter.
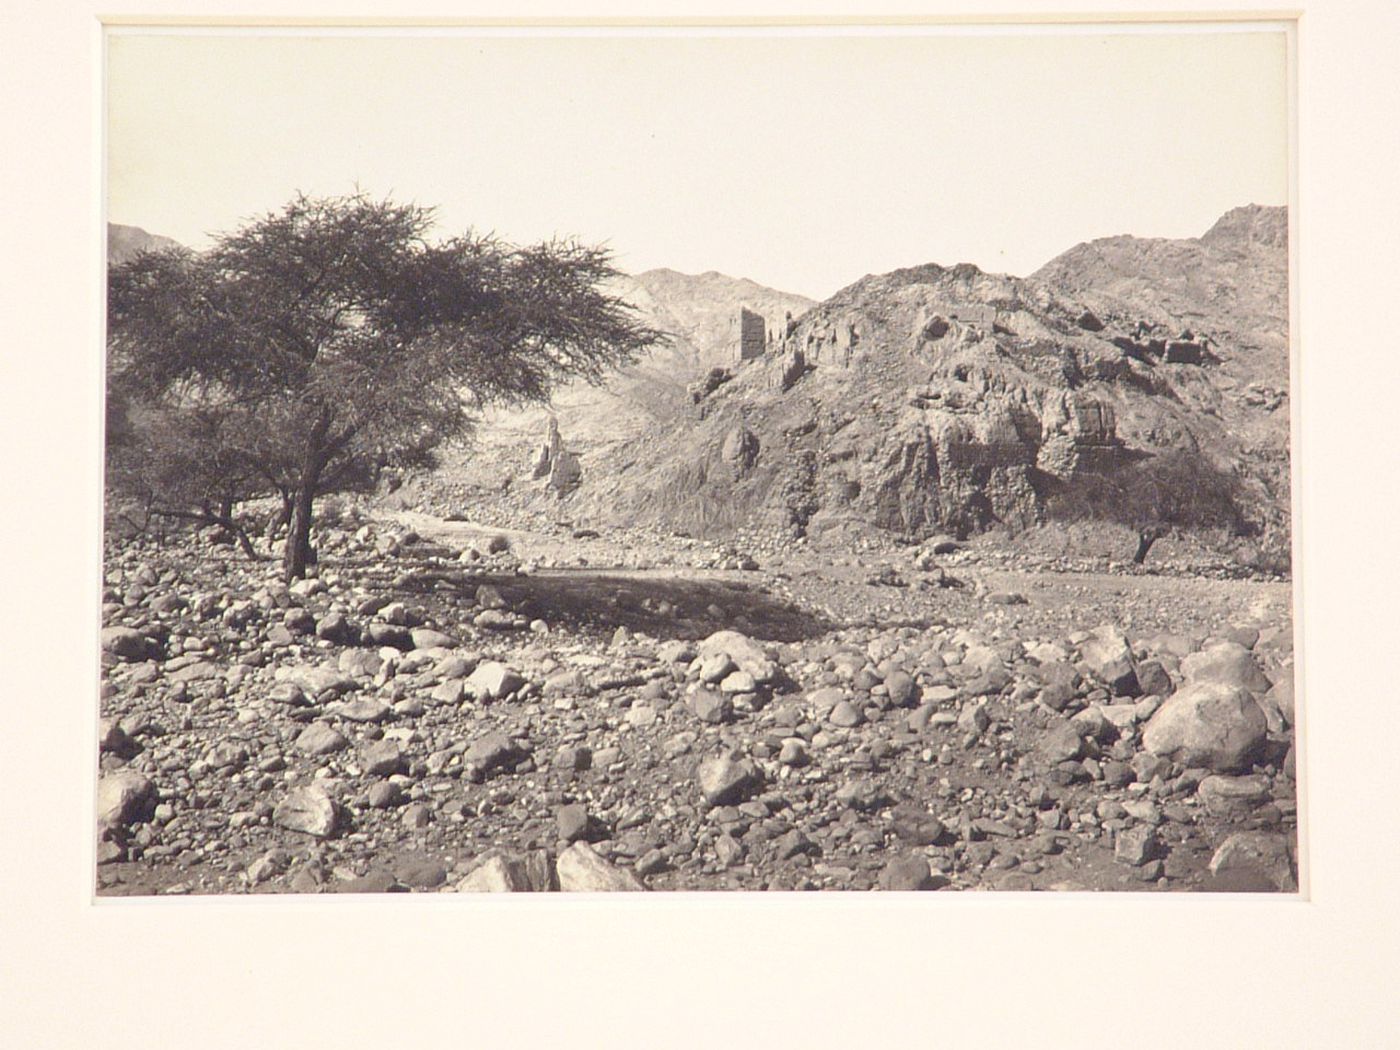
x,y
446,707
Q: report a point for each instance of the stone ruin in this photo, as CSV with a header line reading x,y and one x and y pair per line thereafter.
x,y
1081,437
1148,346
556,463
753,335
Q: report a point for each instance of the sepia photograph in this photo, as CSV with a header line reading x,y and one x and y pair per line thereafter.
x,y
733,458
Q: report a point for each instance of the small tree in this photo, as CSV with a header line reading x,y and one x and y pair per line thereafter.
x,y
1164,493
330,339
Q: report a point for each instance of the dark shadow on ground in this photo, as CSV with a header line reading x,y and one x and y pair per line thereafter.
x,y
661,606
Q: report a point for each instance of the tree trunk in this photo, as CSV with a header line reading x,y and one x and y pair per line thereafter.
x,y
298,552
1145,542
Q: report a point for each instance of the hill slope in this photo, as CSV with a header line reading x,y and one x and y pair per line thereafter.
x,y
124,242
938,397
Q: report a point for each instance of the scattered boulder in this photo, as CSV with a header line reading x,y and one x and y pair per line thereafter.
x,y
125,643
1219,727
1266,856
123,798
1107,654
1233,796
907,873
581,870
725,780
1226,663
308,810
746,655
320,739
493,751
492,680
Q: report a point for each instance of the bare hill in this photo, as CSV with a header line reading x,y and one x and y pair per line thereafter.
x,y
123,242
936,398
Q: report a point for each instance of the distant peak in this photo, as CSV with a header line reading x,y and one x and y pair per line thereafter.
x,y
1251,222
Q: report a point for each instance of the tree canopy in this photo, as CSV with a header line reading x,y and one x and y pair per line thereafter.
x,y
1158,494
324,341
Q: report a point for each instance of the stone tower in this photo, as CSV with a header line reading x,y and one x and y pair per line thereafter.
x,y
753,335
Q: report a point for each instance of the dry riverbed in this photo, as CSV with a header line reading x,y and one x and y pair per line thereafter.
x,y
622,712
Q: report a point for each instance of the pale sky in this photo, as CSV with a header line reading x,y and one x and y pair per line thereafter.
x,y
800,161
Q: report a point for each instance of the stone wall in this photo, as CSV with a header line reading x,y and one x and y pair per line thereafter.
x,y
753,335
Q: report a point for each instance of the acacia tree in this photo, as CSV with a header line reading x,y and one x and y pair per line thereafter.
x,y
332,338
1164,493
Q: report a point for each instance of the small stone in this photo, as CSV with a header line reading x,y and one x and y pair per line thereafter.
x,y
426,638
1135,846
728,850
1153,678
317,680
641,716
916,826
387,635
747,655
573,759
383,758
1060,742
901,688
846,715
710,707
319,739
1233,796
383,794
572,822
496,874
1107,654
793,752
364,709
863,794
493,680
334,627
903,874
725,780
420,872
492,751
973,718
738,682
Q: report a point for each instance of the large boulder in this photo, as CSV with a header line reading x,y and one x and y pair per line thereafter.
x,y
125,643
1207,724
1107,654
123,798
510,873
1261,856
1226,663
308,810
581,870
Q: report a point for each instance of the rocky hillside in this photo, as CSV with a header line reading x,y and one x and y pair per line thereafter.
x,y
699,312
123,242
945,398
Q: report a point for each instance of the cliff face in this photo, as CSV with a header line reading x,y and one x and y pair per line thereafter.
x,y
936,398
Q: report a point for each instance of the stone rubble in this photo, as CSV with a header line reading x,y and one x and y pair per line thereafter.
x,y
245,747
